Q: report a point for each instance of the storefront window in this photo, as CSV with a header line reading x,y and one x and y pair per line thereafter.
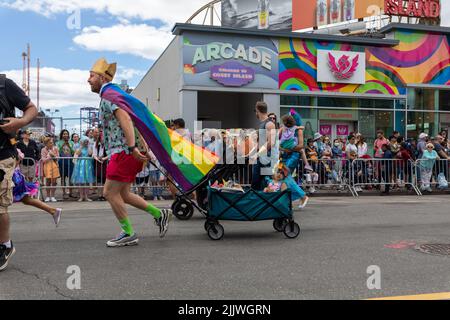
x,y
376,104
419,122
421,99
444,100
296,101
337,102
384,120
367,128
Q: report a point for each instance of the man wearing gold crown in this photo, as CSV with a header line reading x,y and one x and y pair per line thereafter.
x,y
127,154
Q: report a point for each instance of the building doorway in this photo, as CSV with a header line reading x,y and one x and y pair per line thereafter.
x,y
227,110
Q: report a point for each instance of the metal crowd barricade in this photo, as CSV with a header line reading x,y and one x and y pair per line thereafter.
x,y
64,185
333,174
387,173
432,173
326,174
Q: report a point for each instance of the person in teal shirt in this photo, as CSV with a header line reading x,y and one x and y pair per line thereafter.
x,y
427,163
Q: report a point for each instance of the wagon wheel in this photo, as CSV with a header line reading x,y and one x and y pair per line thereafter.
x,y
278,224
208,223
291,230
215,232
182,209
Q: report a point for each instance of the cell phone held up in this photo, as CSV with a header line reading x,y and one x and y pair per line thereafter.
x,y
11,136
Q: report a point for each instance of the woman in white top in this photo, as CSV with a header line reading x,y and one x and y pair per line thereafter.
x,y
362,146
351,146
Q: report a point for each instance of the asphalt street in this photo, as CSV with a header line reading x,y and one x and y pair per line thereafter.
x,y
341,238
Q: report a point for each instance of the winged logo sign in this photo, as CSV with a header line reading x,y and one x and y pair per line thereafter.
x,y
341,66
343,69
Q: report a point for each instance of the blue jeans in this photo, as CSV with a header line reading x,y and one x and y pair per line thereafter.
x,y
156,189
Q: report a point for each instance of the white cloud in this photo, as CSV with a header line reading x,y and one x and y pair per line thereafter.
x,y
62,88
139,40
59,88
169,12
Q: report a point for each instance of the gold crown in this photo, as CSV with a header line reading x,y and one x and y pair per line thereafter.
x,y
103,68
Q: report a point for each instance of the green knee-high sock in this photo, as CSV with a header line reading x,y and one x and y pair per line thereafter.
x,y
126,226
155,212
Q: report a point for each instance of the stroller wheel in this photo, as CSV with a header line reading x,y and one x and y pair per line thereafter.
x,y
208,223
278,224
291,230
182,209
215,231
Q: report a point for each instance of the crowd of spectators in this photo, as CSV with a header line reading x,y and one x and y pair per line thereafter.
x,y
71,166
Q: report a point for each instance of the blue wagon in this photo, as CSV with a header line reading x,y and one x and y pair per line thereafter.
x,y
251,205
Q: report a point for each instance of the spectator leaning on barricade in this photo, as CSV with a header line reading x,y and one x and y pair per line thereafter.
x,y
83,171
49,158
31,153
427,163
66,152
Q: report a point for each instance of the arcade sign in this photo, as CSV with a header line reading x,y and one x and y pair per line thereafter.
x,y
413,8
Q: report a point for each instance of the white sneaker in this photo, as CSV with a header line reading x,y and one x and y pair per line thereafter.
x,y
303,203
80,200
161,198
155,199
312,190
88,200
54,200
57,216
47,199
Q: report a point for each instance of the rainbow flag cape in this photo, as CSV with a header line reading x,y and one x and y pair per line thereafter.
x,y
186,162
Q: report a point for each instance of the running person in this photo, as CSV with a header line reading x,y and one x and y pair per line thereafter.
x,y
126,161
24,191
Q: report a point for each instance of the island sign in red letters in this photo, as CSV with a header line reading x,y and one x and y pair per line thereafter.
x,y
414,8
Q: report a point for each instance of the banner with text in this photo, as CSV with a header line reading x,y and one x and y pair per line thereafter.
x,y
215,60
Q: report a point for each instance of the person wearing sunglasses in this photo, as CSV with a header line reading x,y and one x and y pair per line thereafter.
x,y
274,119
427,163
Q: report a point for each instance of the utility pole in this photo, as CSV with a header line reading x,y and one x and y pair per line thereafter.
x,y
38,83
29,67
24,70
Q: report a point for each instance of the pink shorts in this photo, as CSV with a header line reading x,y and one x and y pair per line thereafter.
x,y
123,168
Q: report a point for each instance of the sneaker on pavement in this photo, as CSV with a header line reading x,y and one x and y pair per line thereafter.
x,y
163,222
57,216
5,255
54,199
123,240
303,203
47,199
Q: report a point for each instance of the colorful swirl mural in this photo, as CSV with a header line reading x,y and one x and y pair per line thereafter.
x,y
420,58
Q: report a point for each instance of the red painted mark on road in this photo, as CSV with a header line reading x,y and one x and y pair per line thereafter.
x,y
405,244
